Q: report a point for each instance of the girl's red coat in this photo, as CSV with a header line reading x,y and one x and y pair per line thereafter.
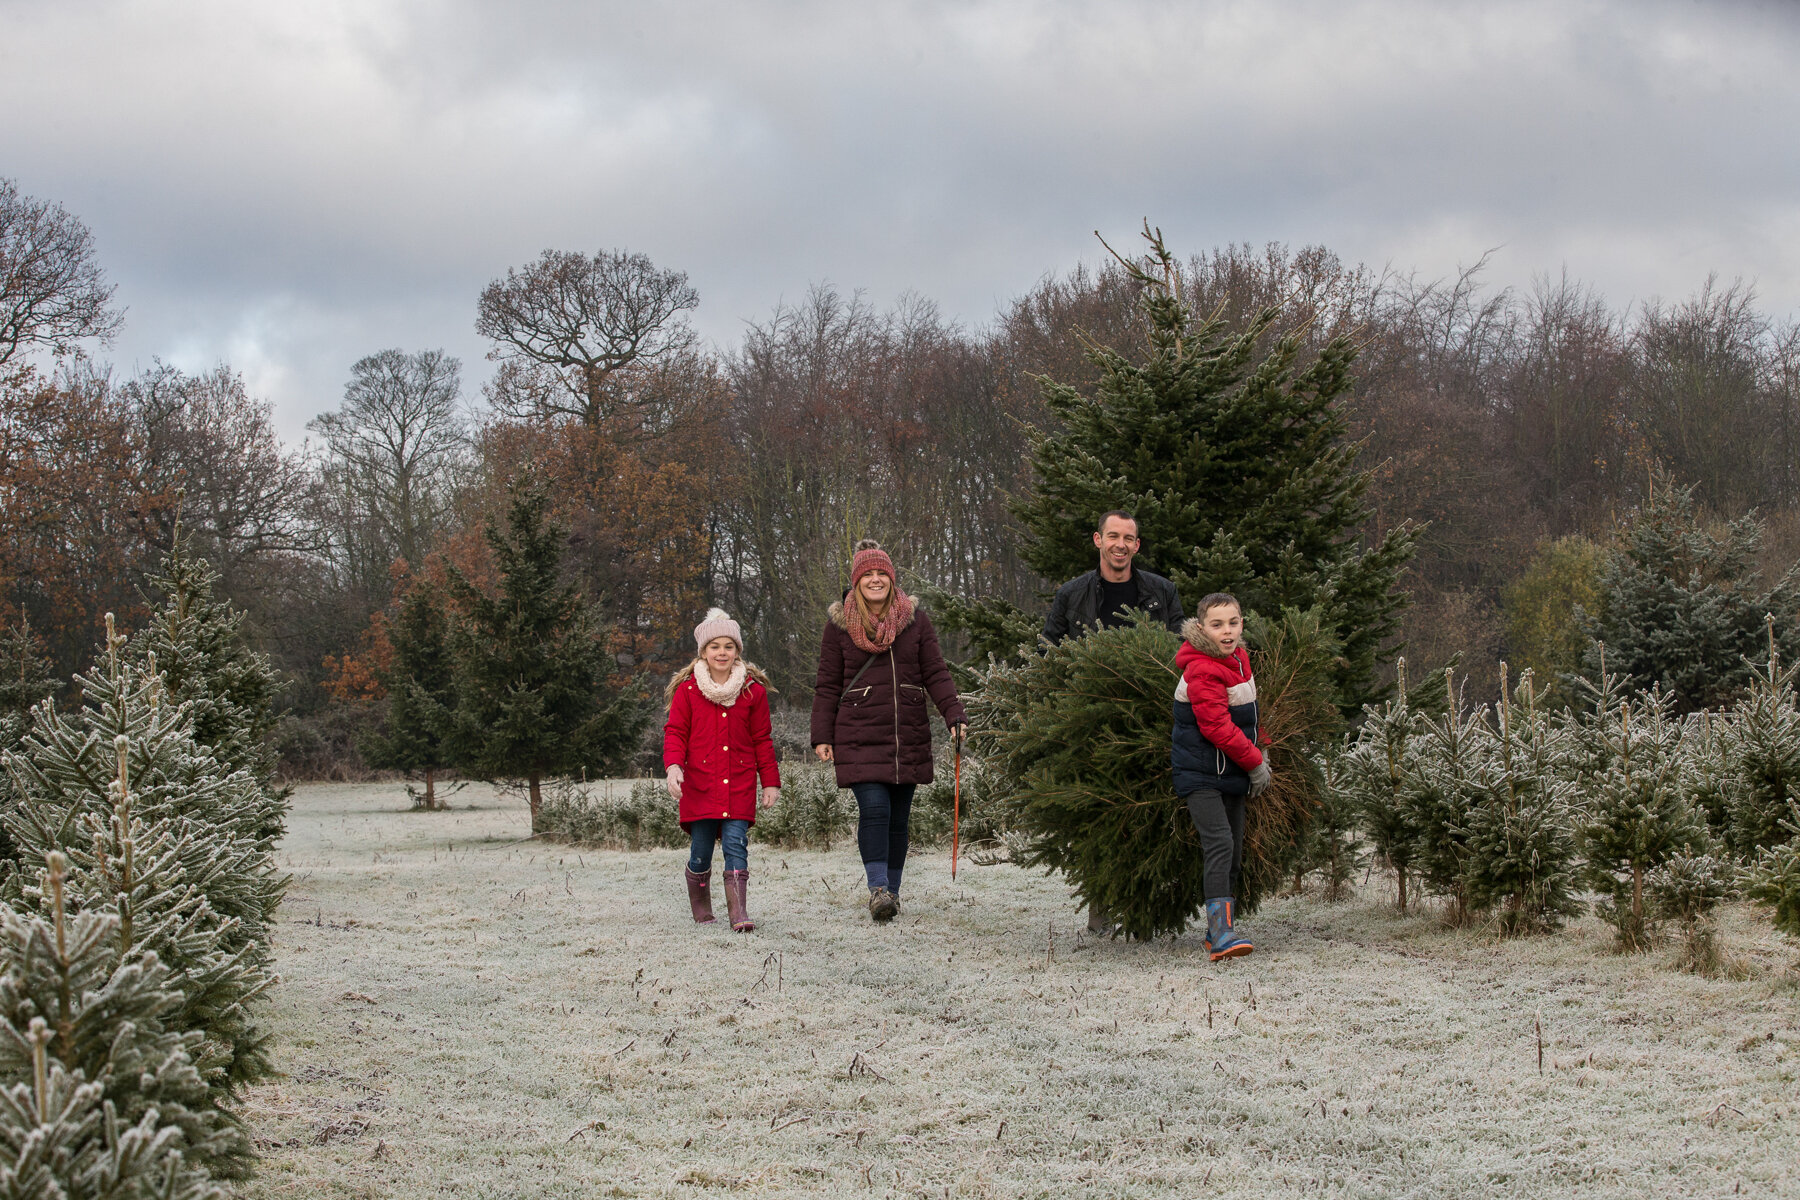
x,y
723,752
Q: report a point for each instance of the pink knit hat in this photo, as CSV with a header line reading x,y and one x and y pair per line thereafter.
x,y
870,556
718,623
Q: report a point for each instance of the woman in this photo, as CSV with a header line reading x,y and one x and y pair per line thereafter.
x,y
878,662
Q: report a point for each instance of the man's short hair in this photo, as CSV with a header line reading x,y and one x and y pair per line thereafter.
x,y
1218,600
1117,512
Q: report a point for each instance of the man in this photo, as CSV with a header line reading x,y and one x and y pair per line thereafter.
x,y
1098,599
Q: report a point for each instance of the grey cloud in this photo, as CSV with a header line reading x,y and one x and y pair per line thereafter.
x,y
294,186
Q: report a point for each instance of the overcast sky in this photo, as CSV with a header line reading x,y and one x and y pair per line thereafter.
x,y
286,187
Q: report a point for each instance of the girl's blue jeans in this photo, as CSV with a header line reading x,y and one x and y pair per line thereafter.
x,y
733,833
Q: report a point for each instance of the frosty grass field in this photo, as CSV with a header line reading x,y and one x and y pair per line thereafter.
x,y
467,1014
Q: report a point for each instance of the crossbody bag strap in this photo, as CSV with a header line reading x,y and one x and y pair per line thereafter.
x,y
867,663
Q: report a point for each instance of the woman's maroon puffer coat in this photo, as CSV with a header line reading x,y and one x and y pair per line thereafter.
x,y
881,732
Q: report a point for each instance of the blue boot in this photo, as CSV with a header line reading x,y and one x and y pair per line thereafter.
x,y
1221,939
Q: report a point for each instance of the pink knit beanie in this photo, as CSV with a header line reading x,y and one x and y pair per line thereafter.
x,y
718,623
870,556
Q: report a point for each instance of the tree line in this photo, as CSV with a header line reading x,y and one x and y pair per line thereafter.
x,y
1499,423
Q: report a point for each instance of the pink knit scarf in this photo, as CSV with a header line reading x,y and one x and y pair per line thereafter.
x,y
872,637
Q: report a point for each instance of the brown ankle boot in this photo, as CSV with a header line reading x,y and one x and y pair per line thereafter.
x,y
700,895
736,883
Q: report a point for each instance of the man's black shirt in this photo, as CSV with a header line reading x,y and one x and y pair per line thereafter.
x,y
1115,598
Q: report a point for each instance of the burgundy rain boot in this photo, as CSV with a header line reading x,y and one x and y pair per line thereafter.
x,y
737,902
700,895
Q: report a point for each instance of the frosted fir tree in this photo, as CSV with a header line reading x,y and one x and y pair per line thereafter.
x,y
1334,847
158,836
1774,878
1762,757
1372,773
1521,843
196,637
25,679
1686,888
1439,790
421,688
103,1097
1634,810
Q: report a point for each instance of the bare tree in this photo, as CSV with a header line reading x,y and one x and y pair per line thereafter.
x,y
569,325
52,292
392,452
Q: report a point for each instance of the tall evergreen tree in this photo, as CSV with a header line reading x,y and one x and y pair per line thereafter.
x,y
1760,739
533,671
1681,602
196,637
421,688
1237,465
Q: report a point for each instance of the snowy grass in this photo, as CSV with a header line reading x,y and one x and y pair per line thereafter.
x,y
465,1014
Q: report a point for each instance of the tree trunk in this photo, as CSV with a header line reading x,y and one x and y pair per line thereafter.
x,y
1637,894
430,791
537,798
1402,875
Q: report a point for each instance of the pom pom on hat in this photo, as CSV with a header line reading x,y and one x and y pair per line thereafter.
x,y
718,623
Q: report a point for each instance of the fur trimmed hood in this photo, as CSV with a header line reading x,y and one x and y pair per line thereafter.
x,y
1193,631
686,673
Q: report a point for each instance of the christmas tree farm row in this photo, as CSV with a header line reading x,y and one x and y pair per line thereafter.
x,y
136,891
1511,813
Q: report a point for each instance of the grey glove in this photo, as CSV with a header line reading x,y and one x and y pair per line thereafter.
x,y
1260,779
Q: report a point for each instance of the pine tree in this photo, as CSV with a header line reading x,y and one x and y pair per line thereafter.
x,y
1237,465
1680,606
161,837
196,637
421,688
1635,814
1520,837
25,679
1686,887
1334,844
1439,790
1761,760
1079,739
1372,773
1774,878
79,1000
532,668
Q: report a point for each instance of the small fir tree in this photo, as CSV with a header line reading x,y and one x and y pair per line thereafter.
x,y
1521,843
1635,814
1686,888
533,669
421,691
1681,605
1334,845
160,837
1761,742
196,638
77,996
1774,878
25,679
1236,461
1372,771
1440,785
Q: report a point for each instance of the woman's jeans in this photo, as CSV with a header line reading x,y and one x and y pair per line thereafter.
x,y
884,810
734,833
1219,820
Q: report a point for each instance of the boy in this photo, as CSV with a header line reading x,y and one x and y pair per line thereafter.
x,y
1217,764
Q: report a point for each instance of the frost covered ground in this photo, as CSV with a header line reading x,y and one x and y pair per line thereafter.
x,y
465,1014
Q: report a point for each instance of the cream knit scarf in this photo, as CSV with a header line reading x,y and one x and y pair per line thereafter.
x,y
723,694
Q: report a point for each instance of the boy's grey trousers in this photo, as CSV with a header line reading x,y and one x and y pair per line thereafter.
x,y
1219,820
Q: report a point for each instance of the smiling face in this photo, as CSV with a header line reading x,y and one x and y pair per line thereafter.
x,y
875,588
1117,541
1224,627
720,654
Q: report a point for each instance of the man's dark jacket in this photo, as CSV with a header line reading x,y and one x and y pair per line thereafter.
x,y
1076,609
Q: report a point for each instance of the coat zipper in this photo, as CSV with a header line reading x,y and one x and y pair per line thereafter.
x,y
896,673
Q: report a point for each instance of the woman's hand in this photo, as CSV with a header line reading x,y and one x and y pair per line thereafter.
x,y
771,794
823,751
674,783
959,733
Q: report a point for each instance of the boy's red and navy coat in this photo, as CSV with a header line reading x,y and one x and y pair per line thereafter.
x,y
724,753
1215,718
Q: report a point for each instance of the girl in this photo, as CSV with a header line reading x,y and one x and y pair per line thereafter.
x,y
716,744
878,662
